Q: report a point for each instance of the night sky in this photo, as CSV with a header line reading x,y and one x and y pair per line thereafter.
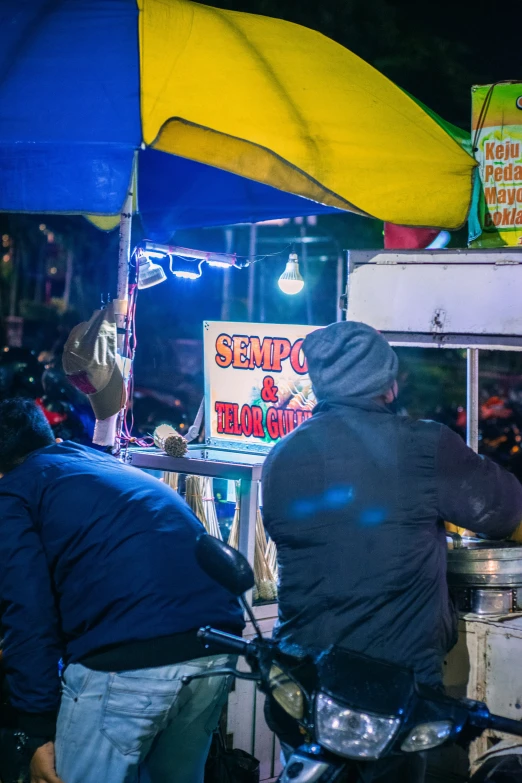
x,y
436,51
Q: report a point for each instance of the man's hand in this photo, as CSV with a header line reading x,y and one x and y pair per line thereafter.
x,y
42,765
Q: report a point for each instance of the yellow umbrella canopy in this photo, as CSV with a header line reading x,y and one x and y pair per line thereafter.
x,y
283,105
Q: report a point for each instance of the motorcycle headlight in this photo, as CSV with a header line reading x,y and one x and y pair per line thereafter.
x,y
347,732
286,692
427,735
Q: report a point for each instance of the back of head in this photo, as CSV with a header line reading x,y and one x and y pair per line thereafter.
x,y
350,359
23,429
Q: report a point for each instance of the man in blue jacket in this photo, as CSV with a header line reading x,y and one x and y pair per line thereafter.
x,y
97,567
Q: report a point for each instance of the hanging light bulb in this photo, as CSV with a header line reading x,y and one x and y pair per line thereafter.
x,y
149,273
291,281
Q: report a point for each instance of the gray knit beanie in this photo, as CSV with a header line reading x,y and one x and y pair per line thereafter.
x,y
350,359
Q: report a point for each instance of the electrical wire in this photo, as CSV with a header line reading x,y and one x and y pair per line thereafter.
x,y
255,259
485,108
248,260
129,350
185,258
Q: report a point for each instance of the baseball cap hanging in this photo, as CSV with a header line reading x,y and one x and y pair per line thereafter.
x,y
93,365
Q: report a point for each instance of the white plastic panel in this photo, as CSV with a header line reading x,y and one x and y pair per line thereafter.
x,y
437,294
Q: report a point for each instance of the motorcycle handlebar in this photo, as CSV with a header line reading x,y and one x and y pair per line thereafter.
x,y
506,725
226,642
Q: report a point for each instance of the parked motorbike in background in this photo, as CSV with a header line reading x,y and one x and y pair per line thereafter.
x,y
350,712
68,411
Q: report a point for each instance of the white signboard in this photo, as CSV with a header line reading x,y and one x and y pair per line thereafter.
x,y
438,294
257,388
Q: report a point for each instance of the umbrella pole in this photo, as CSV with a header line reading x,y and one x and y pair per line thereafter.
x,y
122,301
473,407
121,307
108,431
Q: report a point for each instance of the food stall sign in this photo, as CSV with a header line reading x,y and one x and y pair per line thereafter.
x,y
497,134
257,388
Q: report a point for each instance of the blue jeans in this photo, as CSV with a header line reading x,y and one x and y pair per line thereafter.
x,y
138,726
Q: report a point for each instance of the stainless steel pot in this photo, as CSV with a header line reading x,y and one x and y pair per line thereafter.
x,y
485,576
485,564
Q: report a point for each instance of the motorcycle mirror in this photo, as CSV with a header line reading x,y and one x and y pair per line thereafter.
x,y
225,565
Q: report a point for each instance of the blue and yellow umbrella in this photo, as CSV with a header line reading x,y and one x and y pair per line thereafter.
x,y
222,117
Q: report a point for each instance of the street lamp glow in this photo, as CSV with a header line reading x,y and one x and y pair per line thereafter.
x,y
291,281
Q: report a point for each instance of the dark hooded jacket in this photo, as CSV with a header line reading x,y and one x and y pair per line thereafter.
x,y
355,500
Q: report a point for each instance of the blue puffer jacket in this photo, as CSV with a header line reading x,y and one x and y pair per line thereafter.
x,y
93,554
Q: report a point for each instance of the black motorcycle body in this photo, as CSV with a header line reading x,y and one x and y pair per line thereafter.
x,y
354,717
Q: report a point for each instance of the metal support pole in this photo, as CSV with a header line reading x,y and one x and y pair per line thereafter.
x,y
15,277
248,505
306,275
107,433
68,278
251,272
339,312
472,382
227,278
261,276
343,301
122,302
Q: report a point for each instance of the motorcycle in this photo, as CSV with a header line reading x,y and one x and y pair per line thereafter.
x,y
68,411
353,714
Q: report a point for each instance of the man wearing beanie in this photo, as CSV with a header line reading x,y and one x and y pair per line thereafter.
x,y
355,500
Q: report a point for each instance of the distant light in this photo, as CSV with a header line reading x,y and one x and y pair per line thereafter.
x,y
223,259
6,258
50,237
182,259
31,380
278,222
323,258
219,264
155,254
42,226
184,275
291,281
53,270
